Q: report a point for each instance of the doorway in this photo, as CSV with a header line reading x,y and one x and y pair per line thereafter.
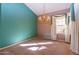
x,y
60,27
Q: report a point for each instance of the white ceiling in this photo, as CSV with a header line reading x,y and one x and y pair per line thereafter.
x,y
38,8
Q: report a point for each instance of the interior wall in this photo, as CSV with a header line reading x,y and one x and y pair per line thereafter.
x,y
18,22
44,29
0,13
76,8
53,29
68,29
0,22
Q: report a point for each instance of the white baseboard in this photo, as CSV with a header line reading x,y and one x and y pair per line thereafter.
x,y
14,44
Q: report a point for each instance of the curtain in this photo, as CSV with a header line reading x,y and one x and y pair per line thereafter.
x,y
72,12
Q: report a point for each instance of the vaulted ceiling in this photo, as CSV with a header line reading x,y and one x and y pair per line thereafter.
x,y
38,8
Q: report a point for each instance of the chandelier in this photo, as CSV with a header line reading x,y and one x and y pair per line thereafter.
x,y
45,19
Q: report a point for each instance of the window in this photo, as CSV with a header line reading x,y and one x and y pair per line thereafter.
x,y
60,24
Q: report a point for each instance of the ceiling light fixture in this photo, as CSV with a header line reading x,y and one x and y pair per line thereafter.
x,y
44,18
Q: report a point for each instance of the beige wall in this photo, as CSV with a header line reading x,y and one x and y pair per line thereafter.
x,y
44,30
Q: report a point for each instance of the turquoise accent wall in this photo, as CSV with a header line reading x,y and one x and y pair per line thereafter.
x,y
0,21
18,22
0,14
0,11
72,12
